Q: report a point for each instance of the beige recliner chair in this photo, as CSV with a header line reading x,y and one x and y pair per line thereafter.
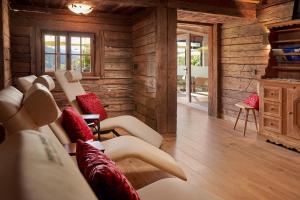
x,y
28,112
34,166
69,82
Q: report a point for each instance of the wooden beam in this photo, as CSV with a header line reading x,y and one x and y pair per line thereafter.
x,y
138,3
220,7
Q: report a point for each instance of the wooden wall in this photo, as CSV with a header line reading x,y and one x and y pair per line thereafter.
x,y
145,66
113,59
244,55
5,72
155,68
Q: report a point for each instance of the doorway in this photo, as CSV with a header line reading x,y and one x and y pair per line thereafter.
x,y
193,60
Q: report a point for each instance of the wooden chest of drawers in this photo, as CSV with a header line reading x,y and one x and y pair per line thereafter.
x,y
280,112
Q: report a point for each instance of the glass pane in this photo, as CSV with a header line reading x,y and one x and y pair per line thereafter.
x,y
86,63
75,62
86,45
49,43
196,51
75,45
63,62
49,63
63,44
181,47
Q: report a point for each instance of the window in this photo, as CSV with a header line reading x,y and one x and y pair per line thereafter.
x,y
62,51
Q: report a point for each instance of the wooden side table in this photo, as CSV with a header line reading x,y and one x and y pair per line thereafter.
x,y
71,148
247,108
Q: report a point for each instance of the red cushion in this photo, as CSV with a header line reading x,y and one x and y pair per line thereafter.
x,y
91,104
253,101
75,126
106,180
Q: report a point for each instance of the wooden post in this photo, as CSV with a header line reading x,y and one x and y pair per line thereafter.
x,y
172,70
162,71
214,77
166,54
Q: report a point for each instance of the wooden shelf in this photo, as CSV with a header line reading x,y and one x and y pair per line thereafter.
x,y
286,41
287,30
286,68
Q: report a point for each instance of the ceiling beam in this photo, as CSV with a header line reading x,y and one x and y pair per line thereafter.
x,y
220,7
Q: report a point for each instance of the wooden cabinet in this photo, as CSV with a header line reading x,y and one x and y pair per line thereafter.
x,y
280,112
293,112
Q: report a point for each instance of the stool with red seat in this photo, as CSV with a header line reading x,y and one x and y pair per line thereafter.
x,y
251,103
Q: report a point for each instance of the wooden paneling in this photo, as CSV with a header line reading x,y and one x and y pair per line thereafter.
x,y
112,81
244,55
145,66
5,70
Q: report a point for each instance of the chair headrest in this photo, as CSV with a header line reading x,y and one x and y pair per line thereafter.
x,y
40,105
25,83
45,80
18,112
73,76
10,102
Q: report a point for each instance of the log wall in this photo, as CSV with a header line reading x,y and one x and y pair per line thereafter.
x,y
5,72
113,61
244,55
145,66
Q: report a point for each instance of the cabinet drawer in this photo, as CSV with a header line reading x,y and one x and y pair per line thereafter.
x,y
273,93
272,109
272,124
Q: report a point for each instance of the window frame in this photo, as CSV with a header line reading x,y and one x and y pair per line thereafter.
x,y
68,35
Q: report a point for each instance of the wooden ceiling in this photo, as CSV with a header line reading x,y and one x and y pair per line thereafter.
x,y
237,8
108,6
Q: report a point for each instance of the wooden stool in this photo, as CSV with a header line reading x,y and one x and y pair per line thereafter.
x,y
246,107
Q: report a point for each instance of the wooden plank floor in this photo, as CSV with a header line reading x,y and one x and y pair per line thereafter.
x,y
223,162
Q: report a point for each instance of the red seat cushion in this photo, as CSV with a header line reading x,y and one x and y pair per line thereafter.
x,y
75,126
91,104
253,101
106,180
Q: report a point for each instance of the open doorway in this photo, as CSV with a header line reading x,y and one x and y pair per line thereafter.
x,y
193,63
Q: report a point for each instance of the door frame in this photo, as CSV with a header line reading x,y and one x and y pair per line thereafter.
x,y
214,108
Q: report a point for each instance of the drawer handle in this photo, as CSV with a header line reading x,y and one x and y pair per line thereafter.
x,y
271,108
272,93
290,113
271,124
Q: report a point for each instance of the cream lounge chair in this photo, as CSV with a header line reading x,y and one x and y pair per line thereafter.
x,y
34,166
38,108
69,82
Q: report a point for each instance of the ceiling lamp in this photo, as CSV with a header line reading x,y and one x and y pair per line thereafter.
x,y
80,8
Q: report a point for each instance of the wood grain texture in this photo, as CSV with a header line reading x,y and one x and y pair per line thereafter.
x,y
5,69
244,56
223,162
112,80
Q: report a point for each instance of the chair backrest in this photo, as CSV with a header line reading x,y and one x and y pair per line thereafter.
x,y
70,83
25,83
34,109
34,166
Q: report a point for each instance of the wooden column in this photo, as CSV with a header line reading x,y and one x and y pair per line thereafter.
x,y
166,54
214,76
172,70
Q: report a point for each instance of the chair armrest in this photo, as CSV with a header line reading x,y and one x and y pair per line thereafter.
x,y
91,117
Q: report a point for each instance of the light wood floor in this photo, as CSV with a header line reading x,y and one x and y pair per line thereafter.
x,y
224,162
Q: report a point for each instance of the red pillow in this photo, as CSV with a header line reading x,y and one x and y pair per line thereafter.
x,y
91,104
253,101
106,180
75,126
